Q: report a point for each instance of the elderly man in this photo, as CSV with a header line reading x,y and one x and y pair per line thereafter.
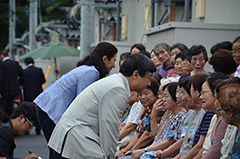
x,y
89,127
162,51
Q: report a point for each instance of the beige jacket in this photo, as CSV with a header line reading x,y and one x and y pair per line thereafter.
x,y
89,127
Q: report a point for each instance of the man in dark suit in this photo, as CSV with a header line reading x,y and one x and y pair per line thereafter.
x,y
32,83
32,80
10,71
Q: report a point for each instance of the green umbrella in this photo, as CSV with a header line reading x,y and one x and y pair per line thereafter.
x,y
52,49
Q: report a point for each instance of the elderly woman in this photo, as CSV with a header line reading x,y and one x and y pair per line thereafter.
x,y
147,97
208,99
172,126
198,57
228,105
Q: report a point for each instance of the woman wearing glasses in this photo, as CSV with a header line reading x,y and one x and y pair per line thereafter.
x,y
208,100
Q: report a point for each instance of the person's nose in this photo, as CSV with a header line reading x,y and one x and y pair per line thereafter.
x,y
198,62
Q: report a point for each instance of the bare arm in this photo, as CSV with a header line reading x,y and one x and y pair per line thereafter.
x,y
194,151
143,141
161,145
199,155
126,130
133,141
173,149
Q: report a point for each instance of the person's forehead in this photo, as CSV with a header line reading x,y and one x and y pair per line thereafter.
x,y
201,54
161,49
179,59
236,44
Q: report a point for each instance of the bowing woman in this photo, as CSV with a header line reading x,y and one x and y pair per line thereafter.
x,y
54,101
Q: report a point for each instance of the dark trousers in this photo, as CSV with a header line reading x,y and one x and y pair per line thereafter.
x,y
47,126
55,155
6,103
46,123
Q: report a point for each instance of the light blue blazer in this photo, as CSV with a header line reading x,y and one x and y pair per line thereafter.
x,y
57,97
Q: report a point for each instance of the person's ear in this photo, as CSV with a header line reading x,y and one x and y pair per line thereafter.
x,y
135,74
21,117
104,59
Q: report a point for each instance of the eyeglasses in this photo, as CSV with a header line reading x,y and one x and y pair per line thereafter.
x,y
204,91
164,96
234,52
219,109
31,124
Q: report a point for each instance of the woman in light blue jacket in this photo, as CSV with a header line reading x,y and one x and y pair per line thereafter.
x,y
54,101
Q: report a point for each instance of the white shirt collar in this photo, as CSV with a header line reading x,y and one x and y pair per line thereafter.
x,y
6,58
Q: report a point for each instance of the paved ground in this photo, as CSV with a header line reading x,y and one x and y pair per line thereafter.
x,y
32,142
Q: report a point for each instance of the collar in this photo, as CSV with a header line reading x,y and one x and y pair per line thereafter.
x,y
170,67
29,65
6,58
126,84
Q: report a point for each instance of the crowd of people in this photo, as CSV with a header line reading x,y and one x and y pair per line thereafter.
x,y
161,104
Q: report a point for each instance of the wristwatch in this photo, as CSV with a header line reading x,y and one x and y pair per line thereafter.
x,y
145,149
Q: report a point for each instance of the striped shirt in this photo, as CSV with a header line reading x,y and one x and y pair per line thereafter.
x,y
203,127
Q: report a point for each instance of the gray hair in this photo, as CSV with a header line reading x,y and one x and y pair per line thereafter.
x,y
162,46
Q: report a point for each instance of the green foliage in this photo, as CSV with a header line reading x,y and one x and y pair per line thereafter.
x,y
50,9
4,23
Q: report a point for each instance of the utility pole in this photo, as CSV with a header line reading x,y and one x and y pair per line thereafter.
x,y
33,22
87,27
12,26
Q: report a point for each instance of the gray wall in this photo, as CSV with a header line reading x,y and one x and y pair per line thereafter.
x,y
136,12
192,34
219,11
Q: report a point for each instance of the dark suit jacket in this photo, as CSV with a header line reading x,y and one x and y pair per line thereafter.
x,y
32,82
10,71
7,144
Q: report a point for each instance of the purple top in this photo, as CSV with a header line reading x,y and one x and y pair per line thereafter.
x,y
163,71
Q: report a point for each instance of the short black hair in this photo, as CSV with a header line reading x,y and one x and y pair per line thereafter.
x,y
145,53
198,49
154,85
171,87
183,55
125,55
213,78
236,40
4,53
185,83
223,62
28,109
138,62
180,46
197,80
139,46
28,60
227,45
